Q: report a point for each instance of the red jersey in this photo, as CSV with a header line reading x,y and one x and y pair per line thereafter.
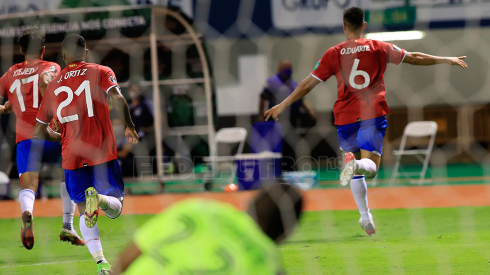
x,y
358,65
21,85
78,98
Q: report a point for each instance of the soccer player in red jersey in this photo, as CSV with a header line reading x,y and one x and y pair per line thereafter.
x,y
78,99
24,85
360,110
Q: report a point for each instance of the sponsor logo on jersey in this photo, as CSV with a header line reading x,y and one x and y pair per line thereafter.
x,y
316,66
396,48
358,49
112,79
25,71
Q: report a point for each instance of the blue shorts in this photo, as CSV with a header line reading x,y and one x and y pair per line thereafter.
x,y
366,135
32,153
106,178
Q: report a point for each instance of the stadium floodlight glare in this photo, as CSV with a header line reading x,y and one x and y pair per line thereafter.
x,y
396,36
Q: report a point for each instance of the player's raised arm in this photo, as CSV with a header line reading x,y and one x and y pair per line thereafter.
x,y
422,59
122,108
303,89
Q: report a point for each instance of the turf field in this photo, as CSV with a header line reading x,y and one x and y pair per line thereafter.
x,y
415,241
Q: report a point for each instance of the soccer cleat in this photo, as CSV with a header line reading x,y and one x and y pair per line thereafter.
x,y
103,268
91,207
27,232
368,225
349,169
71,236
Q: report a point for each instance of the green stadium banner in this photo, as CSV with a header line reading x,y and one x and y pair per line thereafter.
x,y
94,25
403,16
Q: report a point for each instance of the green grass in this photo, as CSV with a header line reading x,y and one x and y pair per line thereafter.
x,y
417,241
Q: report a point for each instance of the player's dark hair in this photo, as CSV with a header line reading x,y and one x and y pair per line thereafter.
x,y
354,17
32,41
74,45
277,209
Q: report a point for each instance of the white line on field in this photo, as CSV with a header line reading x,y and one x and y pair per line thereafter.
x,y
50,263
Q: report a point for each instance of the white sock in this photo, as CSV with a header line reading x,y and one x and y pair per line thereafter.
x,y
366,167
111,206
358,187
26,199
68,207
92,240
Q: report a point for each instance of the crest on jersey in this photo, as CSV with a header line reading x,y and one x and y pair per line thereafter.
x,y
112,79
396,48
52,69
317,64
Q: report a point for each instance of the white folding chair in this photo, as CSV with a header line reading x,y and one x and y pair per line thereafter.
x,y
237,135
416,129
233,135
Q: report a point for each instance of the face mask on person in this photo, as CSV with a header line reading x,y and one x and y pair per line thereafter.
x,y
134,95
287,72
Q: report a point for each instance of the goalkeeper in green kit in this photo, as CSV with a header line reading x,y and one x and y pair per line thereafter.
x,y
208,237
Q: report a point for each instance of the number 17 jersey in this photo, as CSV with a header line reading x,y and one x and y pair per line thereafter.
x,y
21,85
358,65
78,99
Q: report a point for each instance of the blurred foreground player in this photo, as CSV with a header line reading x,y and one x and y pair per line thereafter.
x,y
208,237
24,84
78,98
360,110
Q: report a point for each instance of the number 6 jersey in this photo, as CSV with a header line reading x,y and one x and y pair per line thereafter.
x,y
78,99
358,65
21,85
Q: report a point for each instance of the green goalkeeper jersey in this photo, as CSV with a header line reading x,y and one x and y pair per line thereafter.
x,y
204,237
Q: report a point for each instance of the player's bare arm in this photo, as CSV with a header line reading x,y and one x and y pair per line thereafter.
x,y
55,126
42,130
122,108
44,81
422,59
6,108
303,89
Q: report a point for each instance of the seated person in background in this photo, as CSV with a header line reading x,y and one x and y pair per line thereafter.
x,y
280,86
141,111
207,237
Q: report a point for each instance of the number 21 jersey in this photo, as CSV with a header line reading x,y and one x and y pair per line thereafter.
x,y
358,65
21,85
78,99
